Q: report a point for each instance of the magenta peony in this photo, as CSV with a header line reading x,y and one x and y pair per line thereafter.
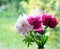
x,y
49,21
36,22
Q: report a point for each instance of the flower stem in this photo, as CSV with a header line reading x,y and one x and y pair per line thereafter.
x,y
45,30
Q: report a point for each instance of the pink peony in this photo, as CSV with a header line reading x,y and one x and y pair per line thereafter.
x,y
49,21
36,22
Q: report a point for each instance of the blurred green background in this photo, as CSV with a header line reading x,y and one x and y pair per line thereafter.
x,y
10,11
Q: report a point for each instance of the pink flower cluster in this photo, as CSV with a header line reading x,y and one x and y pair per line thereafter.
x,y
35,23
45,19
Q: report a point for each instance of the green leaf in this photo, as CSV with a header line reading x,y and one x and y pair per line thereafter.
x,y
28,40
29,43
45,39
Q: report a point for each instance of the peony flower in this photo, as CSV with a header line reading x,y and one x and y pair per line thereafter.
x,y
22,25
36,22
49,21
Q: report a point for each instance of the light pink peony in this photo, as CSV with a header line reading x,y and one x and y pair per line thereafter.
x,y
22,25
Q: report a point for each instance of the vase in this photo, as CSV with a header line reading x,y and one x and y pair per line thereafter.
x,y
40,48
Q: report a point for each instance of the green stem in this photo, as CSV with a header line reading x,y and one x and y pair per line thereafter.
x,y
45,30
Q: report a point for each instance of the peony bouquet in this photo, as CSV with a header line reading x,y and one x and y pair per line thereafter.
x,y
34,28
